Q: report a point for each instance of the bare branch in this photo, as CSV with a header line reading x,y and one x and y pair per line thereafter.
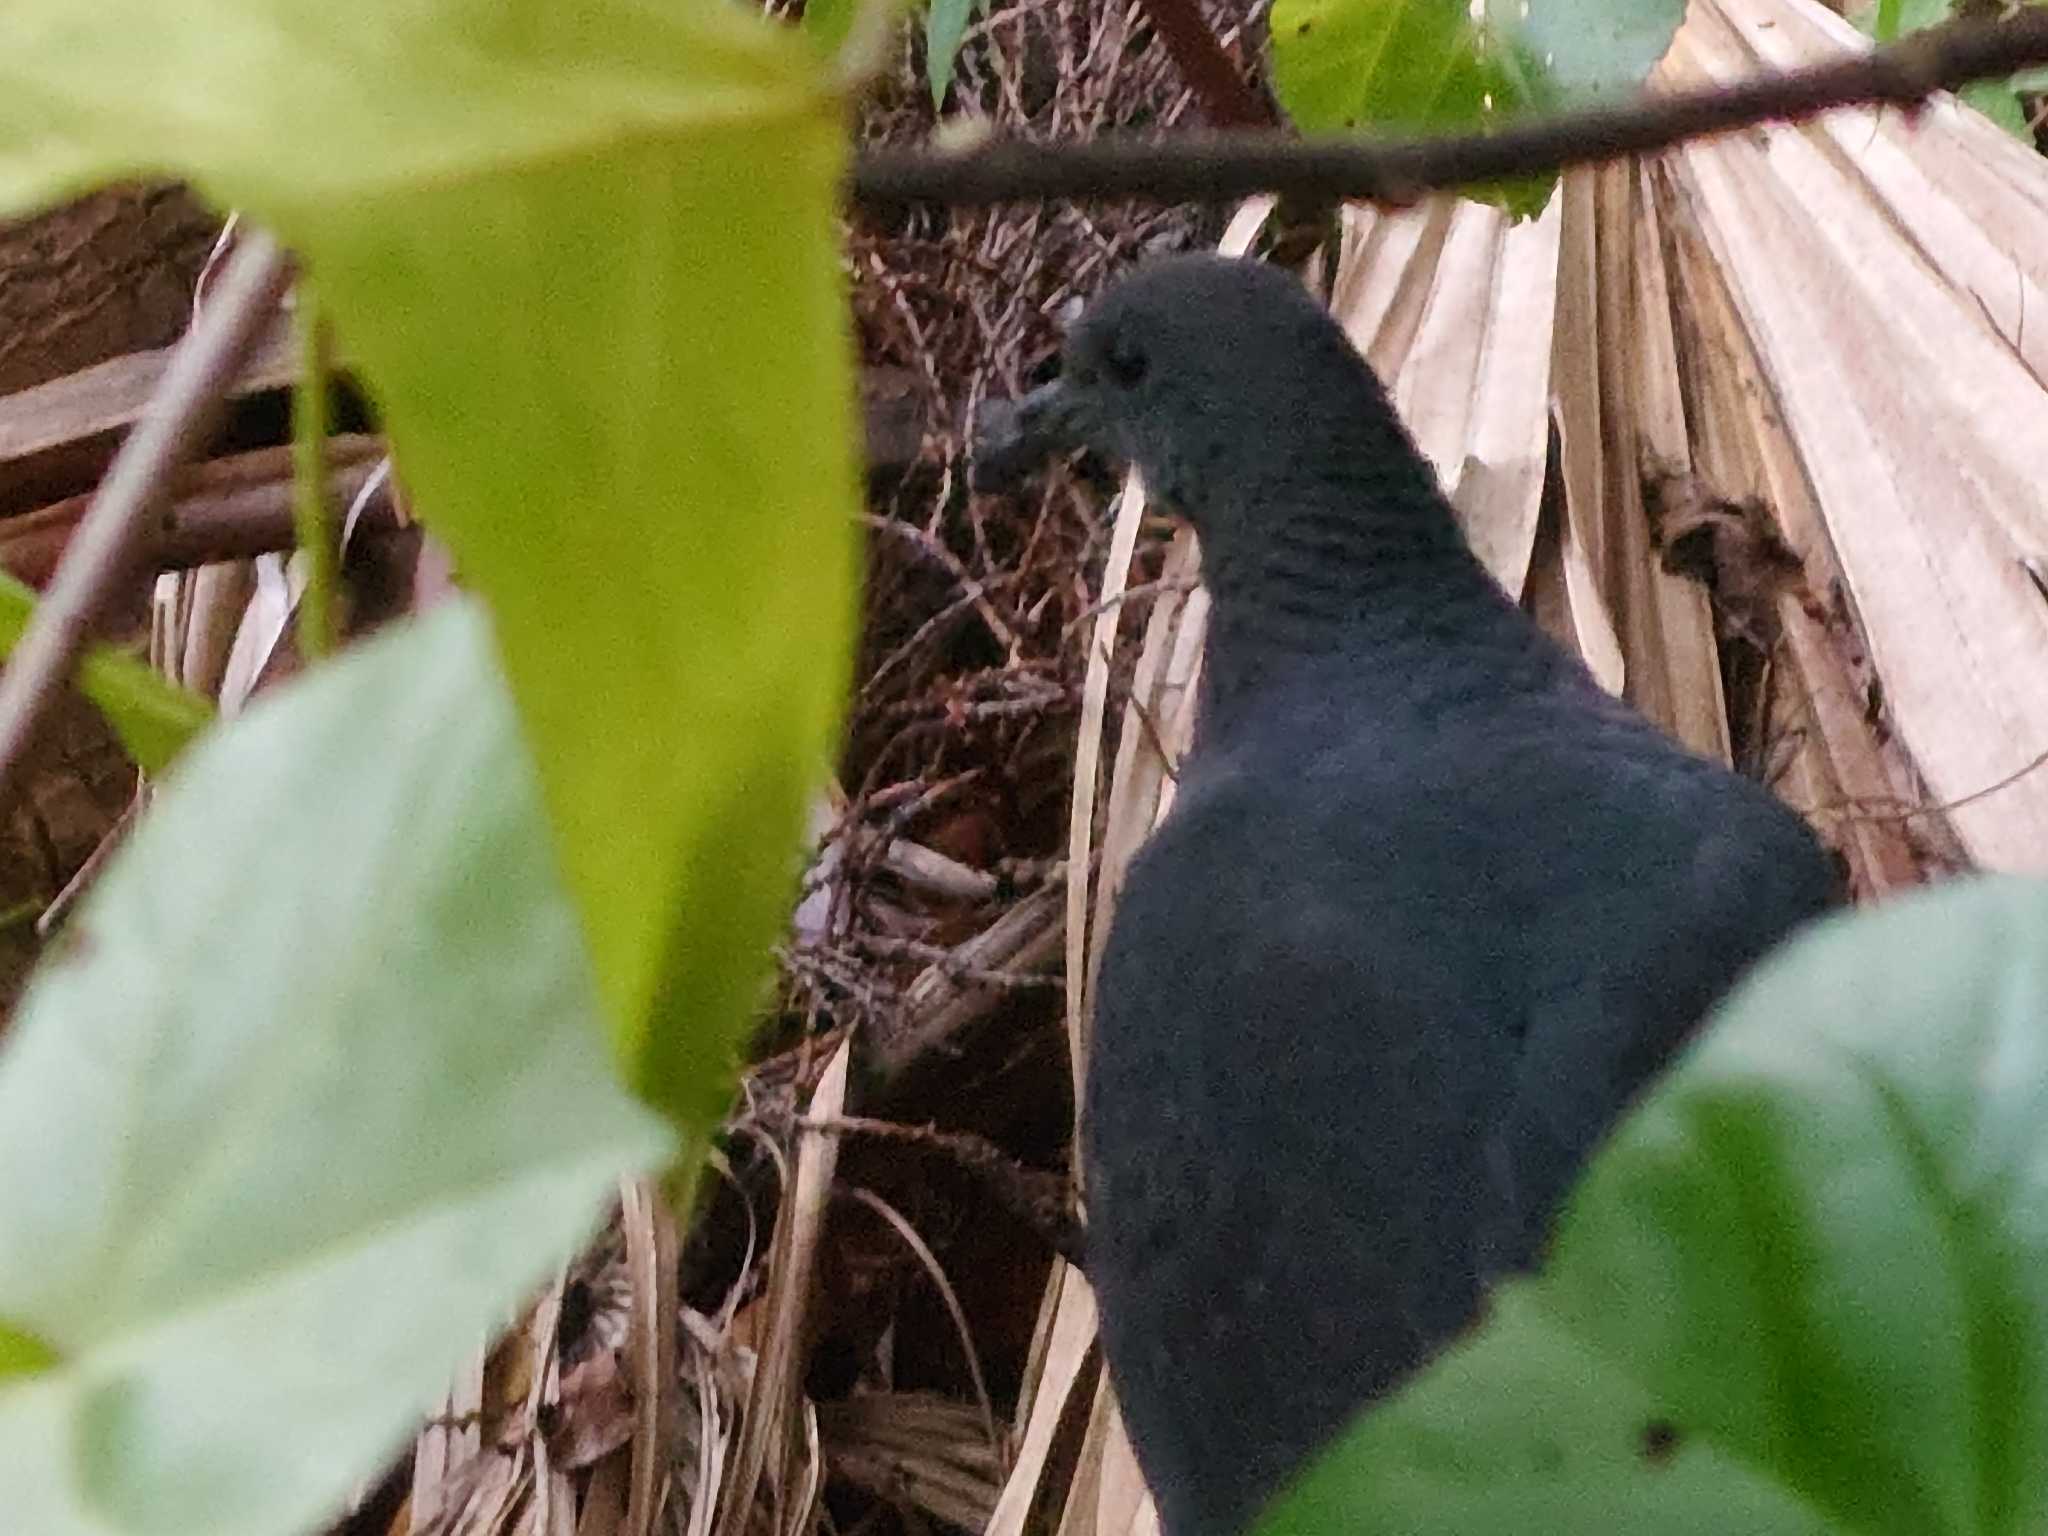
x,y
1042,1201
1223,167
104,552
229,508
1226,99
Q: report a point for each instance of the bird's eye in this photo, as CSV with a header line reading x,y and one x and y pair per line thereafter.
x,y
1124,361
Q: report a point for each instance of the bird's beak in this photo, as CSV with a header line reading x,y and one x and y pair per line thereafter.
x,y
1014,437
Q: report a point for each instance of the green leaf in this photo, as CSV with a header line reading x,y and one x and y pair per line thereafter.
x,y
945,25
153,718
1404,66
1594,49
1997,100
1889,20
22,1353
1401,64
1525,1431
828,21
1428,66
1804,1289
315,1094
586,256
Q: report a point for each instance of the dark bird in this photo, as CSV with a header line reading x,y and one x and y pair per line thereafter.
x,y
1430,911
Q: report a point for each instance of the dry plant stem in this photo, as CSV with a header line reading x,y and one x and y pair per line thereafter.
x,y
211,515
1877,811
60,907
1040,1200
908,1233
1224,167
115,530
1227,101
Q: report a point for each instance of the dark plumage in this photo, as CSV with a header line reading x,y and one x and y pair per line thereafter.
x,y
1430,910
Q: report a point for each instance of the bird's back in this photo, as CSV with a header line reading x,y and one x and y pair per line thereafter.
x,y
1408,945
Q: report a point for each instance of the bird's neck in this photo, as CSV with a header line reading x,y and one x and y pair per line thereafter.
x,y
1375,582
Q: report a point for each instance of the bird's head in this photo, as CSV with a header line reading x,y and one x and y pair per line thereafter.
x,y
1223,382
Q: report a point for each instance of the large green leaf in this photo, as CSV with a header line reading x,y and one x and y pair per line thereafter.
x,y
316,1092
1406,64
154,719
1527,1431
1805,1289
586,256
1421,66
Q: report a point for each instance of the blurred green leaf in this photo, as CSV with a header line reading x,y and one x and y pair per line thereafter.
x,y
1805,1288
21,1353
586,257
153,718
828,21
314,1094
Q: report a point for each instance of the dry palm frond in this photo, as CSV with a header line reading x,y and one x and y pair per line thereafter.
x,y
768,1481
648,1230
1879,270
916,1450
1790,512
1452,304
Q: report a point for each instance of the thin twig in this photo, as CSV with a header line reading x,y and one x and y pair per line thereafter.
x,y
1042,1201
953,969
53,916
230,508
1226,100
914,1241
1223,167
1866,808
934,549
105,550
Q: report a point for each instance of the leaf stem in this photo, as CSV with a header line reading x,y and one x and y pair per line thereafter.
x,y
312,517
